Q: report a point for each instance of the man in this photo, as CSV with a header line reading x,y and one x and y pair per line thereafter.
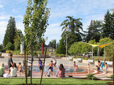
x,y
2,70
10,62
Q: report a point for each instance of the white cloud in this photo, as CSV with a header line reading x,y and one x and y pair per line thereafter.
x,y
92,17
1,6
53,31
3,25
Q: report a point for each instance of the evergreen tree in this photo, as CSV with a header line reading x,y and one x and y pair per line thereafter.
x,y
61,47
10,32
108,29
94,30
52,43
18,39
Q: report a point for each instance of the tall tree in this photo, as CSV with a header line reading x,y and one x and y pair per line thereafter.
x,y
18,39
73,34
10,32
61,47
35,22
108,29
94,30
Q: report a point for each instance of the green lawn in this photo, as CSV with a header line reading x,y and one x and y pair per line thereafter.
x,y
65,81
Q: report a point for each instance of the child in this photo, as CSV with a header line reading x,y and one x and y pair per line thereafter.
x,y
101,66
76,68
20,68
49,72
106,66
97,68
54,62
74,65
88,67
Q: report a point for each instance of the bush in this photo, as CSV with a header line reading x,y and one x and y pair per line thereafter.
x,y
112,76
16,52
60,55
9,51
90,76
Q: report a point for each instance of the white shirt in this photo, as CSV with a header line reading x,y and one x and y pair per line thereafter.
x,y
13,71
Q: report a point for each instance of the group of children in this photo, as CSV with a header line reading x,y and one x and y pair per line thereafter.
x,y
100,66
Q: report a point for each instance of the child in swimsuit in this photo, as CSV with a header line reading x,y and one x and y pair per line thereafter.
x,y
20,68
106,66
74,65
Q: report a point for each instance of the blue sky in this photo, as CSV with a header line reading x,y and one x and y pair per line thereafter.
x,y
86,9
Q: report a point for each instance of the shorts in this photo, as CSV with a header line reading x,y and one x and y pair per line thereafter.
x,y
54,64
99,68
20,70
40,67
51,69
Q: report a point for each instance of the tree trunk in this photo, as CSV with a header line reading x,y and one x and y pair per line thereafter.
x,y
25,60
43,67
31,70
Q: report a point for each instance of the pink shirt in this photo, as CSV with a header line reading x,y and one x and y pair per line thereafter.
x,y
61,73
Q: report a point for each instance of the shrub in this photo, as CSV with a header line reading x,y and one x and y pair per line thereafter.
x,y
9,51
90,76
60,55
112,76
16,52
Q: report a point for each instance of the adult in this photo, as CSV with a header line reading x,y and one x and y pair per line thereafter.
x,y
10,62
2,70
13,70
40,64
61,71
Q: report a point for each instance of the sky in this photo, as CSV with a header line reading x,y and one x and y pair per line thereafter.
x,y
86,9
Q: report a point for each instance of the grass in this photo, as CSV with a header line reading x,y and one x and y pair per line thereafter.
x,y
49,81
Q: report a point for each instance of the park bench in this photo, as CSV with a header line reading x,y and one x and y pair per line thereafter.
x,y
70,58
79,59
91,61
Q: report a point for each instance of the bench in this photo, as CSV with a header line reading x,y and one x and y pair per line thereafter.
x,y
91,61
79,59
109,63
70,58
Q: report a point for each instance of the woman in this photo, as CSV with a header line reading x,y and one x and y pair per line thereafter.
x,y
13,70
40,64
88,67
61,71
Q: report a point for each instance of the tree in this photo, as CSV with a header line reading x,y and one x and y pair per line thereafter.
x,y
1,47
108,28
73,34
35,23
10,32
94,31
73,24
18,39
52,44
61,47
78,48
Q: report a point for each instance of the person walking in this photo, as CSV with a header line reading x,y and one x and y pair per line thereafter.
x,y
10,62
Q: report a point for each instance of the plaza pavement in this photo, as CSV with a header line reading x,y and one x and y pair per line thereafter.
x,y
65,62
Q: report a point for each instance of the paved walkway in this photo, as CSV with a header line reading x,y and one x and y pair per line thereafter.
x,y
65,63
